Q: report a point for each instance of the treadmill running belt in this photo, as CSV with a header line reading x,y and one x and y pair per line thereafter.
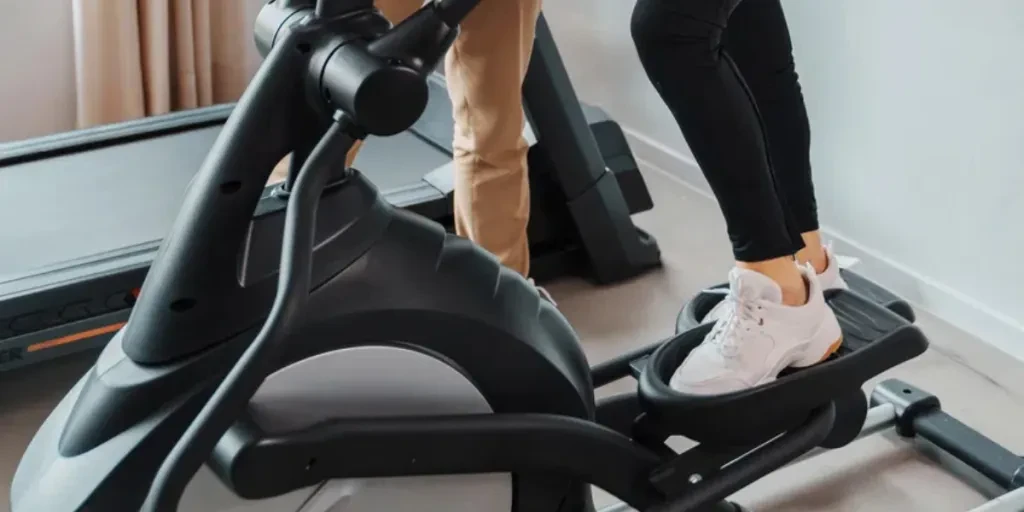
x,y
74,206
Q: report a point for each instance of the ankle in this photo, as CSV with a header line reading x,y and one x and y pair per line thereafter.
x,y
795,293
785,274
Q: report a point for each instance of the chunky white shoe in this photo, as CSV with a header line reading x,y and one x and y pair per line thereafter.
x,y
830,279
759,337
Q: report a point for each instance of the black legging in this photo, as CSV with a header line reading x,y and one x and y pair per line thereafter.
x,y
725,69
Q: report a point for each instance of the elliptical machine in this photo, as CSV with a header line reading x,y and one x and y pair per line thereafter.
x,y
379,363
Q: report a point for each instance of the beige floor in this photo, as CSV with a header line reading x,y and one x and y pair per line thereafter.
x,y
881,473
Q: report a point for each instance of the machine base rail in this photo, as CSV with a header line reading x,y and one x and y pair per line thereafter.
x,y
912,412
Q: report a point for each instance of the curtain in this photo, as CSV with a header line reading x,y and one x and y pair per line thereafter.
x,y
137,58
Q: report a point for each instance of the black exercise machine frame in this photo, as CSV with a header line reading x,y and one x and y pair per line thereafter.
x,y
42,310
622,452
918,414
194,313
193,278
256,465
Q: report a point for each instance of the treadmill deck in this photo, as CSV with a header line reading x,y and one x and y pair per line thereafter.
x,y
76,206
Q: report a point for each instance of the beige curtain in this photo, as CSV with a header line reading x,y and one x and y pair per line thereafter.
x,y
137,58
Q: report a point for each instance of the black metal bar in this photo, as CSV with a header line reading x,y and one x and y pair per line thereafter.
x,y
908,401
920,414
619,412
773,455
982,454
40,148
557,118
446,445
618,367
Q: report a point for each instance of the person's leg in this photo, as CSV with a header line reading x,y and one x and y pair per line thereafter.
x,y
757,38
678,42
777,315
485,70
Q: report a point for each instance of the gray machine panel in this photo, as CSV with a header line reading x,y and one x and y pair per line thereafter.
x,y
72,207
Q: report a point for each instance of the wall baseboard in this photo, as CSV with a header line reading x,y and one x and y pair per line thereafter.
x,y
925,293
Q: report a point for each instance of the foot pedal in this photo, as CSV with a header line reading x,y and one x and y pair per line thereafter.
x,y
875,339
878,294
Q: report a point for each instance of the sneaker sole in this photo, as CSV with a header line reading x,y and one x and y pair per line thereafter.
x,y
819,351
832,349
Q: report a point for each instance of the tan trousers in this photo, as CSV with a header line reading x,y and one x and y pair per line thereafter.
x,y
485,70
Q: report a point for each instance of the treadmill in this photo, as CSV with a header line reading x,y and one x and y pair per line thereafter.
x,y
82,213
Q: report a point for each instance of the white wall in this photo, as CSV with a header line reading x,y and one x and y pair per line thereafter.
x,y
917,108
917,111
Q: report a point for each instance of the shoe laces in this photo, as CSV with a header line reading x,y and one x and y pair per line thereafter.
x,y
742,319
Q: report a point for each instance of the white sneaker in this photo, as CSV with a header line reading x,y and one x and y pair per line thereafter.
x,y
543,293
830,279
760,337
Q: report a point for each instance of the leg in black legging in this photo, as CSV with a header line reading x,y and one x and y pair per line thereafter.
x,y
758,41
775,313
680,46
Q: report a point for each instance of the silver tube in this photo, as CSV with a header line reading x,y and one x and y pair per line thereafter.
x,y
1012,501
881,417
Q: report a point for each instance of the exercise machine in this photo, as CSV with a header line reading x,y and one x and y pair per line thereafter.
x,y
894,405
379,363
94,204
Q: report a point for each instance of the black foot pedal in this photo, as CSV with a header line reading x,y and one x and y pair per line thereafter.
x,y
874,340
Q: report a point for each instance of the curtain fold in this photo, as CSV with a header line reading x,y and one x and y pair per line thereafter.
x,y
137,58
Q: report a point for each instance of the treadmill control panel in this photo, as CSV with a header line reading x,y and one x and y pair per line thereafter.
x,y
67,313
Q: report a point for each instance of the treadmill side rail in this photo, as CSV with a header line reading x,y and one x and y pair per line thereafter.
x,y
76,141
52,343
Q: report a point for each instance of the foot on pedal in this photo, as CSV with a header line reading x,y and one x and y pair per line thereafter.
x,y
831,279
874,339
758,336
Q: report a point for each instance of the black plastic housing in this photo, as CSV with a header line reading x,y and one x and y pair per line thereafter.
x,y
461,295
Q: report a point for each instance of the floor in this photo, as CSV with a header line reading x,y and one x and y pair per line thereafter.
x,y
977,384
